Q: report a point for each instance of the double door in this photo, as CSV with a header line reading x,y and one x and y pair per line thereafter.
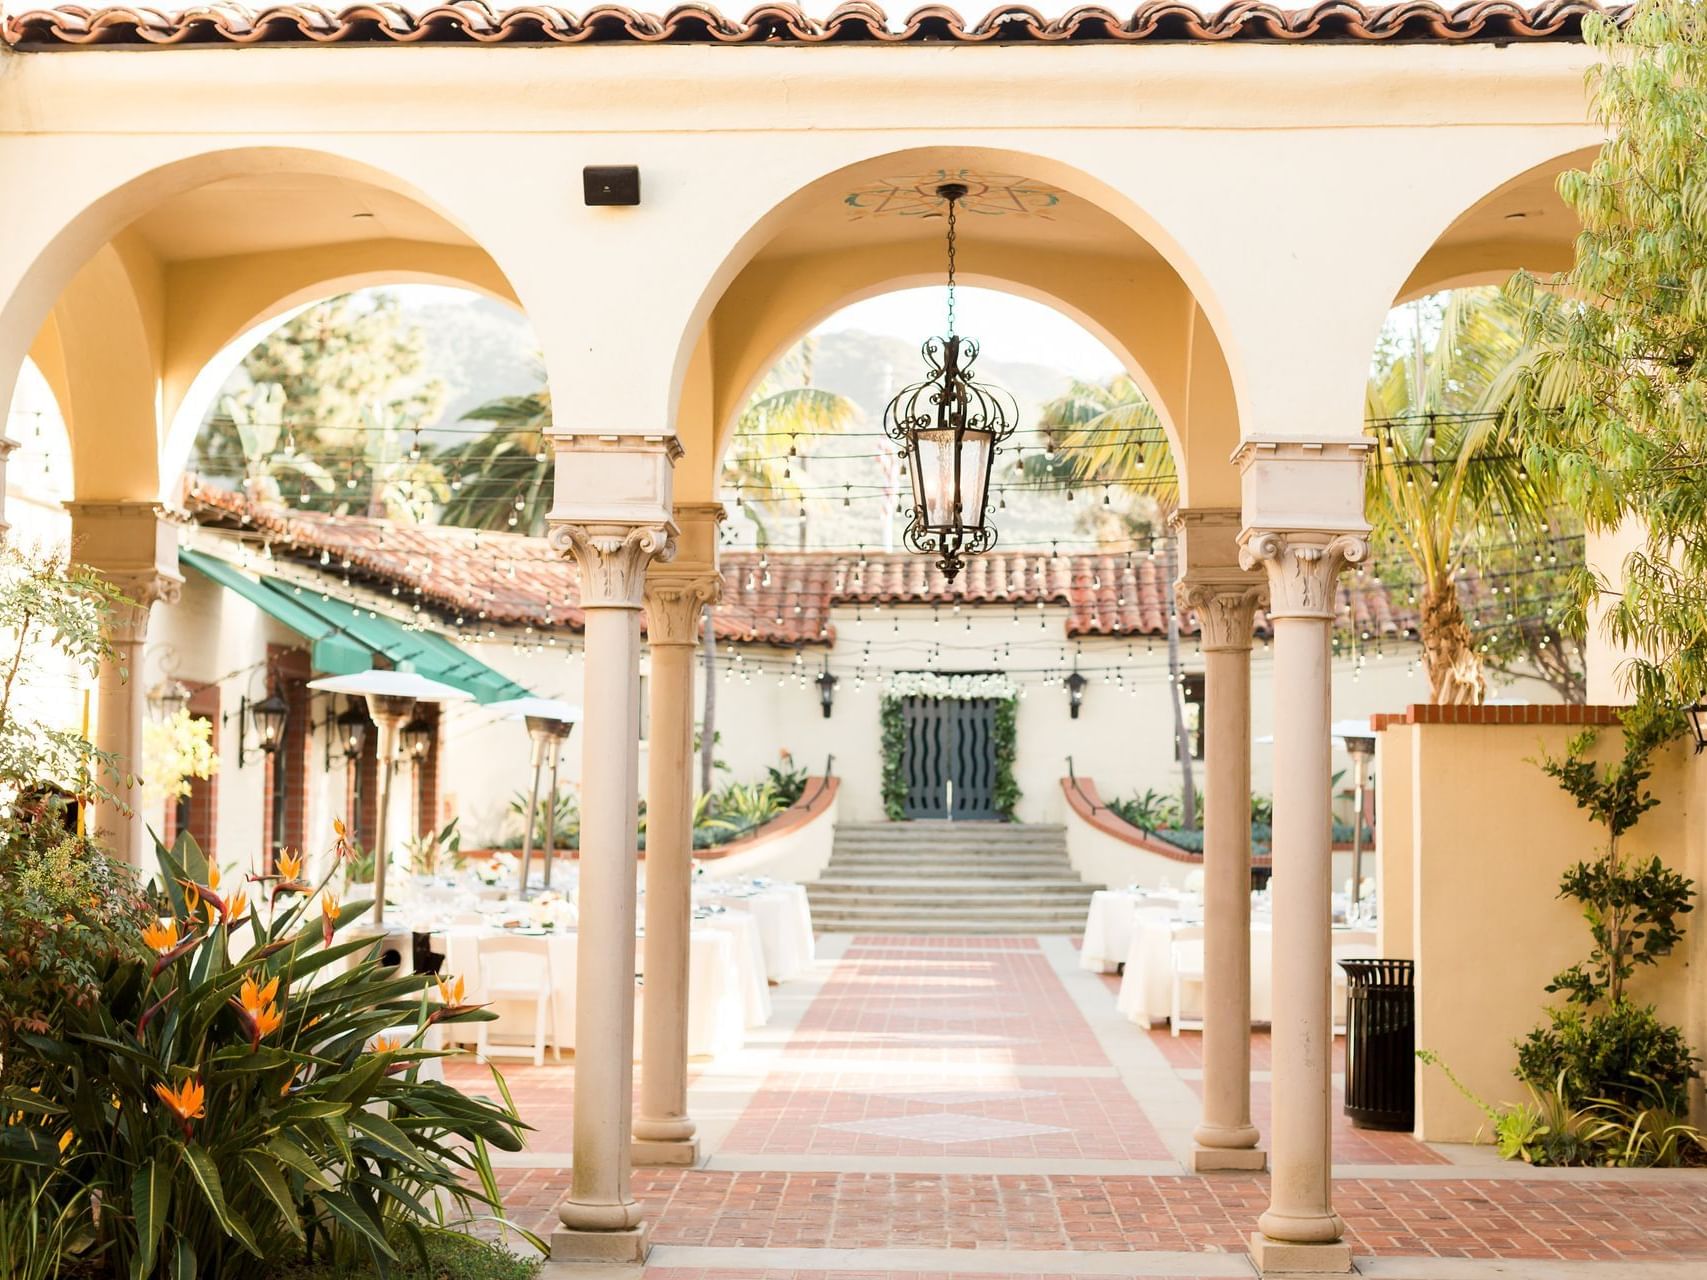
x,y
949,758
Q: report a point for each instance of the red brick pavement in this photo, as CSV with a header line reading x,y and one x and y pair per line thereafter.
x,y
1449,1218
1089,1118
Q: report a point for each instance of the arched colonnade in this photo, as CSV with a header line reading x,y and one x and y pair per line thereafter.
x,y
1241,268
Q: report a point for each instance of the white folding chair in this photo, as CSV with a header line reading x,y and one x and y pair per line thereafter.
x,y
1186,963
519,969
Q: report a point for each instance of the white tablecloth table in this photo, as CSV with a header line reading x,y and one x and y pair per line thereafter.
x,y
748,950
1108,924
785,923
717,1006
1146,989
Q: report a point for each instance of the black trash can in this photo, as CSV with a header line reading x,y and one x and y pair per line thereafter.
x,y
1380,1044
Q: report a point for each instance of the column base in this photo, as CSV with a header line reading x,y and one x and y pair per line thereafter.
x,y
1284,1258
1228,1160
652,1152
572,1245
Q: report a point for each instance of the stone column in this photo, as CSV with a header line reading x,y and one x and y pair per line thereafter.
x,y
1225,598
1303,510
675,598
613,516
138,553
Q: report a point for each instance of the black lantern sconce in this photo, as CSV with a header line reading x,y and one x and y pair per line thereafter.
x,y
826,691
169,697
1698,722
267,718
949,428
352,731
1075,686
418,737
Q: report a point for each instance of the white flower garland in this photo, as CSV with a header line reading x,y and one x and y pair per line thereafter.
x,y
929,684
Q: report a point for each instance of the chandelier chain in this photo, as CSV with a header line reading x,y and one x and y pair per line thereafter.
x,y
951,204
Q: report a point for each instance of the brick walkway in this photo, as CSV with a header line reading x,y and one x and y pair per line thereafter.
x,y
949,1099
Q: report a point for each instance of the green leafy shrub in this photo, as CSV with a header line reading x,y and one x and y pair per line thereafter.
x,y
1621,1052
228,1107
788,780
1601,1044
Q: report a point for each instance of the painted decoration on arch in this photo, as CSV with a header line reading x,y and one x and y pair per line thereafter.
x,y
987,195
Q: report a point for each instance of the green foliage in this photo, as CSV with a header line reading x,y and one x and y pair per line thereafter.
x,y
1621,1052
248,1086
1556,1128
343,383
894,729
449,1256
1616,403
503,479
788,780
435,852
1448,482
1631,905
1148,811
1004,738
561,813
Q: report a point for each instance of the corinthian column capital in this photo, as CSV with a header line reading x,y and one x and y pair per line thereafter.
x,y
613,559
1303,567
1226,609
673,603
128,623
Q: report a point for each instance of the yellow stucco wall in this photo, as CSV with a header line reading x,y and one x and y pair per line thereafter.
x,y
1474,838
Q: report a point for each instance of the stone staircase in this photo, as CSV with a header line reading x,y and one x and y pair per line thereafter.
x,y
949,877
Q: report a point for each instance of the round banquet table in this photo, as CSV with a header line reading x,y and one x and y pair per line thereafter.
x,y
785,923
1108,924
748,949
717,1007
1146,989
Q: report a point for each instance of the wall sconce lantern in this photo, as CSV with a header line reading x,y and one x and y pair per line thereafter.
x,y
169,697
949,428
826,691
352,731
268,717
1698,722
417,739
1075,685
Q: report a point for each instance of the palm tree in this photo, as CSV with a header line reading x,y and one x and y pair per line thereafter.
x,y
501,479
1108,432
1448,479
763,471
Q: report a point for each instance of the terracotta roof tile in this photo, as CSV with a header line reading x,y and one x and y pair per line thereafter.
x,y
781,598
475,22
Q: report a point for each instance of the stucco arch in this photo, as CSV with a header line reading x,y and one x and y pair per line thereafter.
x,y
1123,288
1520,224
68,242
224,306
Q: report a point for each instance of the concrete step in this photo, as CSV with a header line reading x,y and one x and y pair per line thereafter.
x,y
993,830
964,848
958,902
945,869
1070,912
959,928
950,884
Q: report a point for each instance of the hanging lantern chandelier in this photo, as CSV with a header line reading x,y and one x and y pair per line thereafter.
x,y
949,428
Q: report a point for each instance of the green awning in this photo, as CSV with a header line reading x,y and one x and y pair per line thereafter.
x,y
345,638
332,649
423,652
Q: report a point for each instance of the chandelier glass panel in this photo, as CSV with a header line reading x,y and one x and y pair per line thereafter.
x,y
950,428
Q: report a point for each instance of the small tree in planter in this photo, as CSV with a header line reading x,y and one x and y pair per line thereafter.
x,y
1600,1044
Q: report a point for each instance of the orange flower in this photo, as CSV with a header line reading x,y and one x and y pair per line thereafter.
x,y
161,937
188,1101
329,912
192,899
254,995
284,1089
450,992
386,1044
237,907
213,877
255,1006
338,828
290,865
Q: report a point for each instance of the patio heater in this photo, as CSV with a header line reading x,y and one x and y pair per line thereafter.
x,y
391,698
1359,739
950,428
549,723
